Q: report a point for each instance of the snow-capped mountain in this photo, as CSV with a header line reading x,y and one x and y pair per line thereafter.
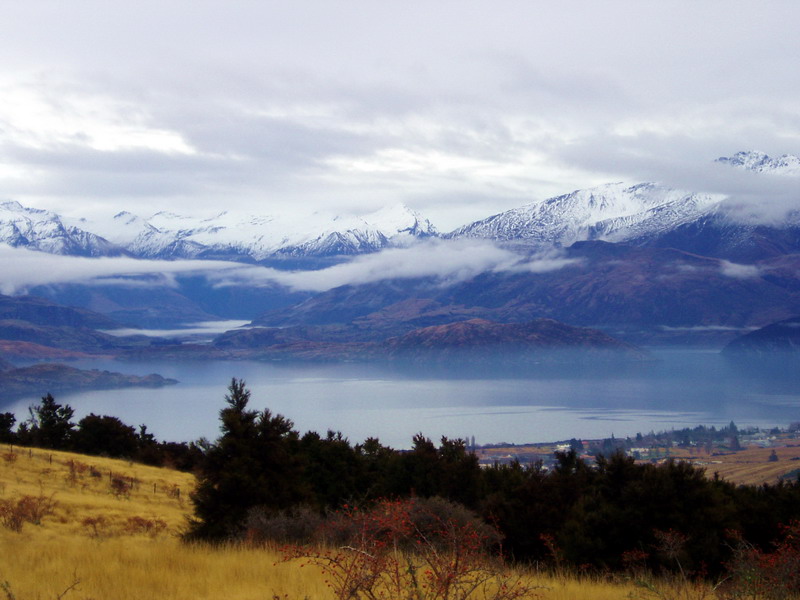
x,y
614,212
45,231
762,163
227,235
642,214
258,237
638,214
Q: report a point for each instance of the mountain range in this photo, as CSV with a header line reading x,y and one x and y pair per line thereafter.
x,y
646,262
224,236
644,214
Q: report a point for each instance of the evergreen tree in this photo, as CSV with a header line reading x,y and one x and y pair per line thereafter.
x,y
51,424
7,421
107,436
333,469
255,462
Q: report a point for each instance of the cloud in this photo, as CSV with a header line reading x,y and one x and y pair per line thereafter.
x,y
702,328
446,261
23,269
737,271
459,109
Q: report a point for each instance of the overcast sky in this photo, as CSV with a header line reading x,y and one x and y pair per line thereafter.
x,y
459,109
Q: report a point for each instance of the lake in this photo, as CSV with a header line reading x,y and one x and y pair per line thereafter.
x,y
681,388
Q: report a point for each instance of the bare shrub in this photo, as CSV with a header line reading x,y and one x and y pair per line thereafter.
x,y
5,587
677,584
96,526
77,470
120,486
9,517
174,492
27,509
35,508
141,525
10,457
412,549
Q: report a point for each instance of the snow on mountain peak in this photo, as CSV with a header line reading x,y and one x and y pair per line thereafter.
x,y
612,212
760,162
399,218
44,230
257,237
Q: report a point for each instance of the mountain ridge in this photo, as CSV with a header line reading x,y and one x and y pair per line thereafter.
x,y
641,214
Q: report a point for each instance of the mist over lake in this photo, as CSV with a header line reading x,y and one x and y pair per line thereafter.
x,y
680,388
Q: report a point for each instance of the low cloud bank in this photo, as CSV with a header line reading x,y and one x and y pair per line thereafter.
x,y
24,269
738,271
446,261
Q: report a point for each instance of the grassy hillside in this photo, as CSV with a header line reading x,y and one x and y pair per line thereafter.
x,y
108,529
112,526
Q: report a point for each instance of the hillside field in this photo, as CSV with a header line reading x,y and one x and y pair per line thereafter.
x,y
109,529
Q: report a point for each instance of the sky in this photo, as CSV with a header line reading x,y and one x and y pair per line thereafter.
x,y
459,109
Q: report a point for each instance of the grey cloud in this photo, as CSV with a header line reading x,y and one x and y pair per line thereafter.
x,y
23,269
684,163
738,271
445,261
552,97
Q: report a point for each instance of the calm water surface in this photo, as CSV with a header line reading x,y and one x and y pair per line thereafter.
x,y
681,388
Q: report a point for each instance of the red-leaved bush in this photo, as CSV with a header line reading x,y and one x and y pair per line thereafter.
x,y
412,548
770,575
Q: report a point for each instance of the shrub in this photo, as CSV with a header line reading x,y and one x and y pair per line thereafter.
x,y
296,526
138,525
427,550
120,486
27,509
770,575
96,526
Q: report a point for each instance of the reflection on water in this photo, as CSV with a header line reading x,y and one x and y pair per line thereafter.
x,y
682,388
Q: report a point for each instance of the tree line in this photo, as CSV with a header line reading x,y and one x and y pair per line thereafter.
x,y
595,515
262,479
50,425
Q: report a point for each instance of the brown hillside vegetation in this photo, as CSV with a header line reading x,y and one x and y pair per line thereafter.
x,y
103,528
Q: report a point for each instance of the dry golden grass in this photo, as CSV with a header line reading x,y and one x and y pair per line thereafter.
x,y
94,487
121,541
123,568
118,558
750,466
